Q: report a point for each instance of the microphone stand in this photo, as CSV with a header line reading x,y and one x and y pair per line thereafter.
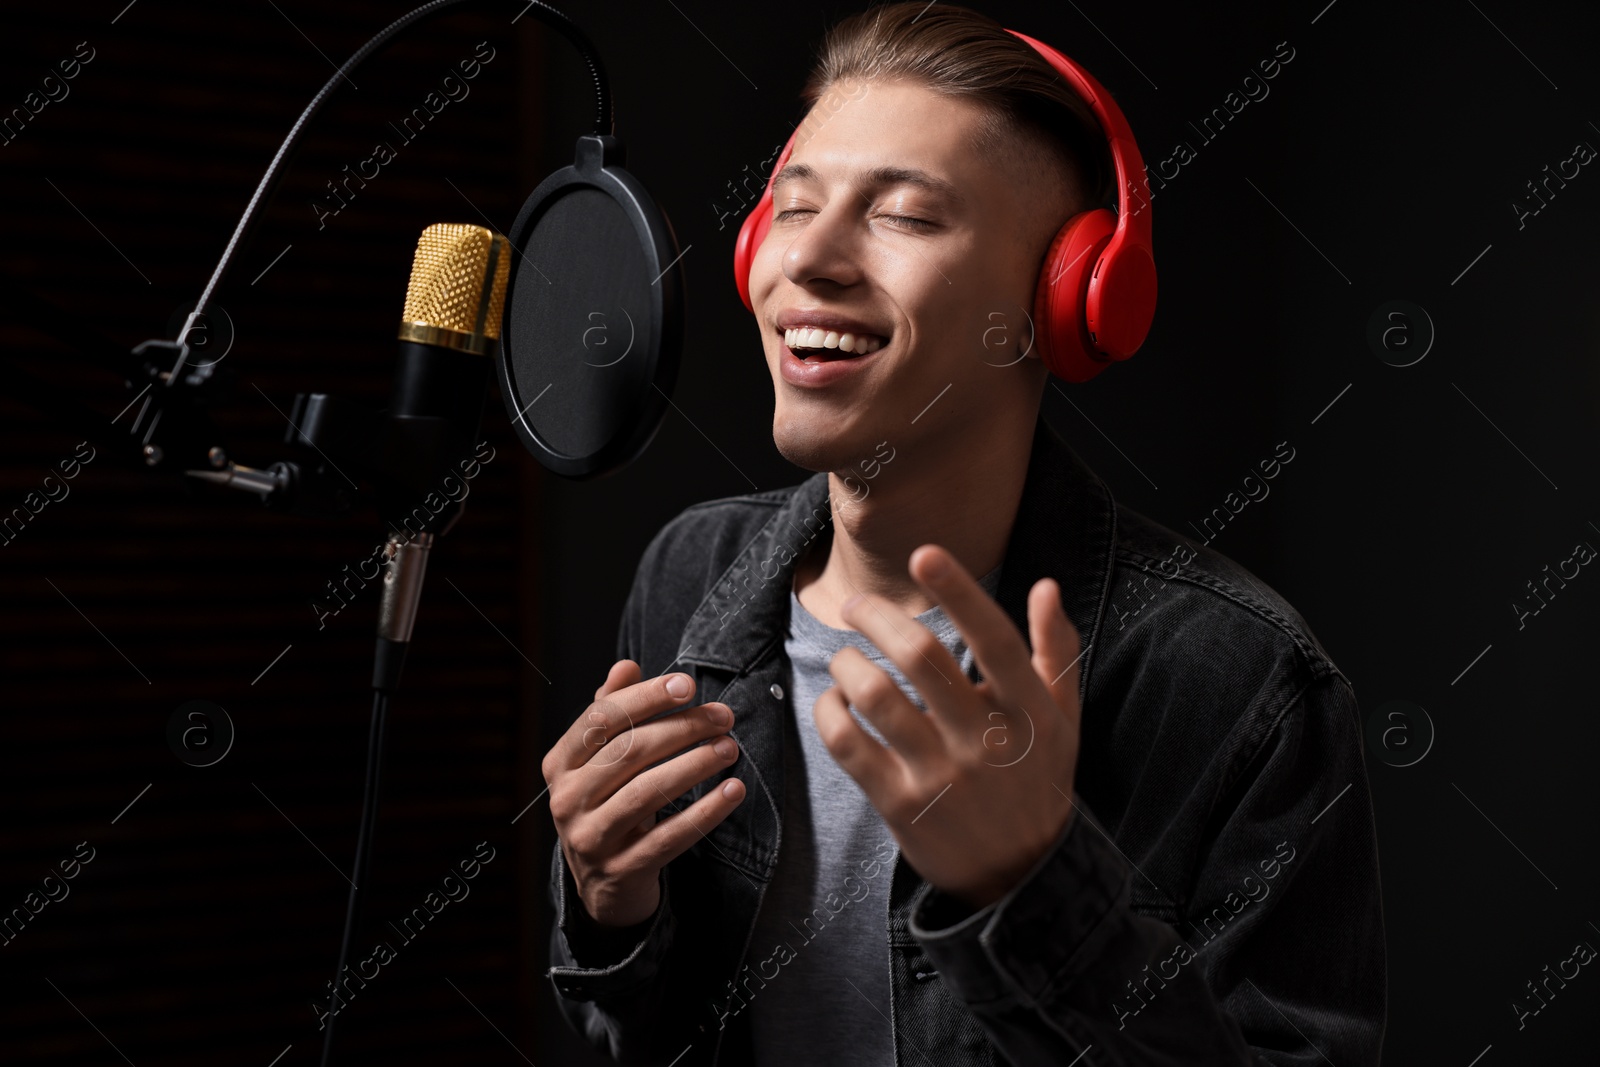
x,y
173,400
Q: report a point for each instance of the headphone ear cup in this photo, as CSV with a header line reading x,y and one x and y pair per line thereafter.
x,y
751,234
1122,299
1060,311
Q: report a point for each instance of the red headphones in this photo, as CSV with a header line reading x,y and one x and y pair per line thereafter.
x,y
1097,291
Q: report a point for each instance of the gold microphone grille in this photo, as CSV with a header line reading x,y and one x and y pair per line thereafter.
x,y
458,287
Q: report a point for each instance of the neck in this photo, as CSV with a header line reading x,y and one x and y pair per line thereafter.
x,y
959,493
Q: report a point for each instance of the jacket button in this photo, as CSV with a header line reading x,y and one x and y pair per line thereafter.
x,y
777,691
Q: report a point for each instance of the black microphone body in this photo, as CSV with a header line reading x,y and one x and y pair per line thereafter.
x,y
434,414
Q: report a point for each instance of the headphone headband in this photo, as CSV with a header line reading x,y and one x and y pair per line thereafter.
x,y
1125,158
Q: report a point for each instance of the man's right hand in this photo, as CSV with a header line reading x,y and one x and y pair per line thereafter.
x,y
604,791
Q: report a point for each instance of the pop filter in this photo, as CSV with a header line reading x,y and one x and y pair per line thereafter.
x,y
594,316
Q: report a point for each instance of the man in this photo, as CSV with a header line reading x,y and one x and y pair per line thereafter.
x,y
1103,804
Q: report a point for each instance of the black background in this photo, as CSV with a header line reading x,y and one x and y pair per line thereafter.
x,y
1382,166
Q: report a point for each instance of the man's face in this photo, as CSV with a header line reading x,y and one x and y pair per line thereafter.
x,y
888,225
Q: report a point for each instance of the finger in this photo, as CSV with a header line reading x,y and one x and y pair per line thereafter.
x,y
619,711
635,804
633,751
911,646
876,695
1057,655
996,644
623,673
678,832
877,770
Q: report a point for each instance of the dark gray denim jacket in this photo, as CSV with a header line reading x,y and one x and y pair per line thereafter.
x,y
1214,901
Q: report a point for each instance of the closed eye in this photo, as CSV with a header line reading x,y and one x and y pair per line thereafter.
x,y
910,222
921,225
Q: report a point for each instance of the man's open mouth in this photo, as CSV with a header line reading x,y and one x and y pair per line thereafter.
x,y
818,346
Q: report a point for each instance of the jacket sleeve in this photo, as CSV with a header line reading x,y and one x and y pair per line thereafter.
x,y
1277,957
611,983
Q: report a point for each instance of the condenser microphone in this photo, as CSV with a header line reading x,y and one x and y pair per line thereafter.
x,y
449,339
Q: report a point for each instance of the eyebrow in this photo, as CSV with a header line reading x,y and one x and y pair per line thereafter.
x,y
876,178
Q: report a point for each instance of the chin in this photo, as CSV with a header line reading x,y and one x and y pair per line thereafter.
x,y
808,443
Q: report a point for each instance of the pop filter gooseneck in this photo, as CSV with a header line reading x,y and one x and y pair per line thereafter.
x,y
603,121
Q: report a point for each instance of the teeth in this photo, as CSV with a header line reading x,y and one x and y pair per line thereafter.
x,y
805,337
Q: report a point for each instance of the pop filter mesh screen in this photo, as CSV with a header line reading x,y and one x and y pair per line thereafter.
x,y
579,334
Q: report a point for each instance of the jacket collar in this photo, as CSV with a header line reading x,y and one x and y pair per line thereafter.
x,y
1065,529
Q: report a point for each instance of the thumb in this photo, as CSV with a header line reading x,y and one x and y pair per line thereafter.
x,y
1057,656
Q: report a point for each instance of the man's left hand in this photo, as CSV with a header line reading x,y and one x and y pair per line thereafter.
x,y
977,789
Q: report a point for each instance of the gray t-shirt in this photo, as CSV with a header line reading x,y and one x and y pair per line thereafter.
x,y
823,923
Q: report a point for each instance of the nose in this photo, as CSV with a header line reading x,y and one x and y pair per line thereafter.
x,y
826,248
